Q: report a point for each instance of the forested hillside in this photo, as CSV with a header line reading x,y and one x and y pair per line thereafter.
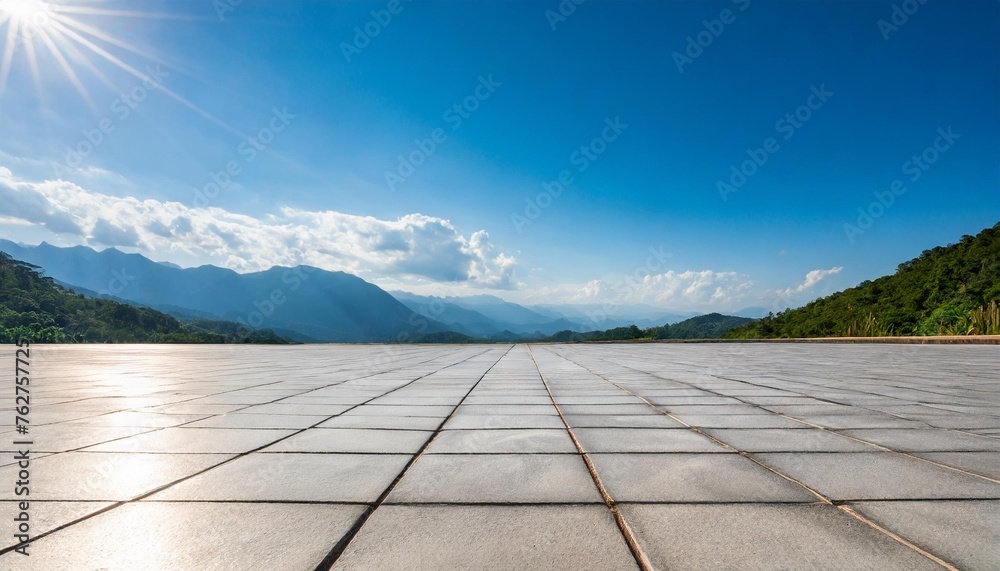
x,y
33,307
951,290
709,326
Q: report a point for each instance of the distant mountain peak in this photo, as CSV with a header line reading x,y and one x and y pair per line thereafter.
x,y
308,301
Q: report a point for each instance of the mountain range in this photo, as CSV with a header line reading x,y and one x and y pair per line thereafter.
x,y
34,307
309,304
303,303
953,289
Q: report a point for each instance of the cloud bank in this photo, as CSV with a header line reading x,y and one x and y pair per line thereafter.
x,y
414,246
415,252
686,290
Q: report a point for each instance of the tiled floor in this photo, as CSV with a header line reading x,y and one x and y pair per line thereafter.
x,y
720,456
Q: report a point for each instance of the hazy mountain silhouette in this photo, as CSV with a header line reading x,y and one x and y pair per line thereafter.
x,y
486,315
318,304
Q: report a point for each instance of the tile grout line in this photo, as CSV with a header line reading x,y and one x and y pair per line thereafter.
x,y
823,499
828,430
341,546
139,410
623,527
159,428
795,419
836,431
140,497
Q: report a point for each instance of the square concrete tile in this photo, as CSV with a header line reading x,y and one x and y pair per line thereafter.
x,y
478,397
603,399
957,421
278,421
295,409
621,421
292,477
183,440
739,421
44,516
504,421
692,478
777,400
384,422
488,537
64,437
982,463
877,475
784,440
175,536
496,478
194,409
966,533
849,421
667,401
435,411
353,440
750,513
137,419
504,409
94,476
617,409
822,409
596,440
761,536
725,409
928,440
398,398
510,441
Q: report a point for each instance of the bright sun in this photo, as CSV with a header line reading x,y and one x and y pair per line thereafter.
x,y
22,9
63,36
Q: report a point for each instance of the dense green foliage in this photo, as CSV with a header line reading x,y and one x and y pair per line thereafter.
x,y
33,307
950,290
630,333
445,337
709,326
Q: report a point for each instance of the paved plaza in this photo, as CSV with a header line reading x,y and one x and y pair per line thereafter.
x,y
665,456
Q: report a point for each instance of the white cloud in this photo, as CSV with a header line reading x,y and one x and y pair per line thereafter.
x,y
812,278
19,201
687,290
415,252
414,246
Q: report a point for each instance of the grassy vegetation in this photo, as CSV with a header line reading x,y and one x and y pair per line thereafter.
x,y
33,307
951,290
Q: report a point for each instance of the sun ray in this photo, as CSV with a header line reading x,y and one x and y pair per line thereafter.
x,y
138,74
89,11
68,70
78,56
92,31
73,45
36,75
8,52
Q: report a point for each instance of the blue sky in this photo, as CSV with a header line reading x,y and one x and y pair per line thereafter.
x,y
339,110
